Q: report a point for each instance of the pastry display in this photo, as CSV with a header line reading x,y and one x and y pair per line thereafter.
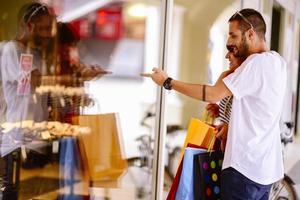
x,y
44,130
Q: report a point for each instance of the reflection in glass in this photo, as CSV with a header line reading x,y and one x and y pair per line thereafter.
x,y
77,118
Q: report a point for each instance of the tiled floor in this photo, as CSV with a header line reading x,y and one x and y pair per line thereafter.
x,y
44,183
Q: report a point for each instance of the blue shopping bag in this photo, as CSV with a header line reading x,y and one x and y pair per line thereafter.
x,y
185,188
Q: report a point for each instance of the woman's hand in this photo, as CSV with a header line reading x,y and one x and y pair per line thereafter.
x,y
213,110
222,135
226,73
91,71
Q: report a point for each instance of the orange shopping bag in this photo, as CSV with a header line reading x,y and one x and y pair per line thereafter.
x,y
200,133
103,148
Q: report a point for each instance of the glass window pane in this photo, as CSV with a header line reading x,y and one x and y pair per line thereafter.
x,y
77,119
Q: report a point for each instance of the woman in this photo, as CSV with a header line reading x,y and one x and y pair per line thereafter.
x,y
223,109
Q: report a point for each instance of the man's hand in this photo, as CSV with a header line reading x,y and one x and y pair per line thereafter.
x,y
222,135
158,76
213,110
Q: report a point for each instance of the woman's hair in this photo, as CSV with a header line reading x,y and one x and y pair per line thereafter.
x,y
67,33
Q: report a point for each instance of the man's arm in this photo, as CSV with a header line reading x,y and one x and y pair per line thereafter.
x,y
210,94
197,91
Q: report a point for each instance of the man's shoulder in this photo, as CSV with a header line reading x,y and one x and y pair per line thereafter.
x,y
9,46
267,57
9,53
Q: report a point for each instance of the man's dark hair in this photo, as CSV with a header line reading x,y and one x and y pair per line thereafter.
x,y
31,11
250,18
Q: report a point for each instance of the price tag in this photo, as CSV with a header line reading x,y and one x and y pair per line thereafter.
x,y
26,62
23,152
55,146
62,102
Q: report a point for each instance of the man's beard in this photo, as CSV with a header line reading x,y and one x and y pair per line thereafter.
x,y
41,43
243,49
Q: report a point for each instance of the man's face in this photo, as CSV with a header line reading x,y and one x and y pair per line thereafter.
x,y
237,40
42,31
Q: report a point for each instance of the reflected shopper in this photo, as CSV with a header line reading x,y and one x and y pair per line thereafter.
x,y
70,65
68,55
22,61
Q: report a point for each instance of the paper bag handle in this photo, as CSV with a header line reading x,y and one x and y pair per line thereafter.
x,y
206,118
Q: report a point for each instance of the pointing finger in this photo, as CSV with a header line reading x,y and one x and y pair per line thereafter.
x,y
146,74
155,69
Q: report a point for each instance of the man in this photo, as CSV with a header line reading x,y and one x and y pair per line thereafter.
x,y
22,63
34,34
253,159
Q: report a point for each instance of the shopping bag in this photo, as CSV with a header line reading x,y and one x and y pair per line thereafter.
x,y
103,148
175,183
207,174
185,186
200,133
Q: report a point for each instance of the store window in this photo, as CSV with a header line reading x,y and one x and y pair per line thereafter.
x,y
77,119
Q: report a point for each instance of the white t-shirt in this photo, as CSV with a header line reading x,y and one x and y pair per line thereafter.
x,y
253,145
19,107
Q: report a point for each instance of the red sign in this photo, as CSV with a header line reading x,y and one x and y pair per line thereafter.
x,y
109,24
83,27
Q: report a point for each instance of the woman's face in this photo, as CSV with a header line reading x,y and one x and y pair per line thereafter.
x,y
234,62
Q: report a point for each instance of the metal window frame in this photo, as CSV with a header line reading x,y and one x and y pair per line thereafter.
x,y
160,122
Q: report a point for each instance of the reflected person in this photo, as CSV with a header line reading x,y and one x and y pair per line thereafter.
x,y
21,67
34,35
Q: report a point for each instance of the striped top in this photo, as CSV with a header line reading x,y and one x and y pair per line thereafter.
x,y
225,109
